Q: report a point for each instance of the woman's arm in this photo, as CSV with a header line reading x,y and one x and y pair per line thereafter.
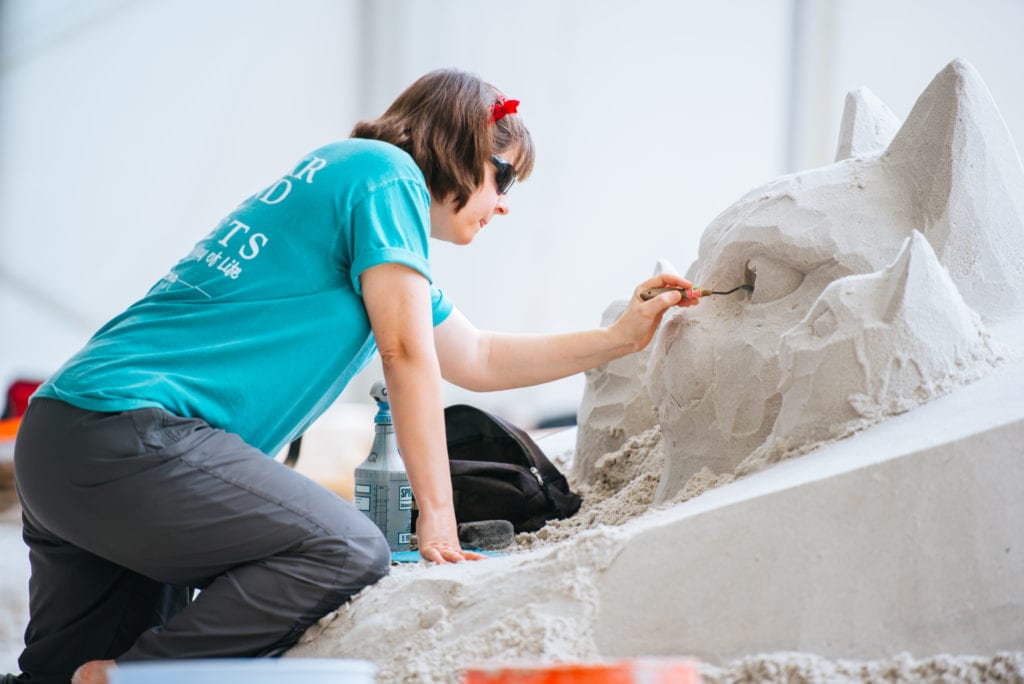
x,y
397,299
485,361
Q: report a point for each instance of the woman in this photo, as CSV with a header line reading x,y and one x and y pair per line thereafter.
x,y
143,464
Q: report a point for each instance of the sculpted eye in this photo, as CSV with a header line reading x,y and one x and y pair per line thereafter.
x,y
773,279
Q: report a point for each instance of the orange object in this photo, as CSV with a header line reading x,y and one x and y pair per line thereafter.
x,y
9,428
643,671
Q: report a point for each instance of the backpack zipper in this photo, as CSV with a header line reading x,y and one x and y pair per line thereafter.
x,y
536,474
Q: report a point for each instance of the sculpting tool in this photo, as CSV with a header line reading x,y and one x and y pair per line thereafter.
x,y
700,291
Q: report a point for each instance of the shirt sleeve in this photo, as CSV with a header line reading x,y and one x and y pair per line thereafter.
x,y
441,305
392,225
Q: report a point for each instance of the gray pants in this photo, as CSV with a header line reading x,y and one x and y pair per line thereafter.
x,y
125,512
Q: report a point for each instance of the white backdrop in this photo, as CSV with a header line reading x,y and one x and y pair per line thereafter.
x,y
129,127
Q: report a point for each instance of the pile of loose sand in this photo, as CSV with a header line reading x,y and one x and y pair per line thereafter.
x,y
621,488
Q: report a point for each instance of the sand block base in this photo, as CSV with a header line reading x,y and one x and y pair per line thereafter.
x,y
906,537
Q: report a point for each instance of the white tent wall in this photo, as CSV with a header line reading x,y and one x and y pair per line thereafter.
x,y
129,128
129,132
894,48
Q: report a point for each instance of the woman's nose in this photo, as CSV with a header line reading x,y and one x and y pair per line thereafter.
x,y
502,206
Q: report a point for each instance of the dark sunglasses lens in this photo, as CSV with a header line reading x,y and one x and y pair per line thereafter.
x,y
505,176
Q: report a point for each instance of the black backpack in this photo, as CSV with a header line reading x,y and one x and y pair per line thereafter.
x,y
499,473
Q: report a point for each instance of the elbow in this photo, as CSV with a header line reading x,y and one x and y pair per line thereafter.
x,y
402,360
466,379
399,354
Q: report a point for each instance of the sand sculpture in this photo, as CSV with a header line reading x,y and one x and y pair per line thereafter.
x,y
715,376
884,345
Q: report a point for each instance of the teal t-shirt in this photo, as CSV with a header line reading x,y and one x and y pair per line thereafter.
x,y
260,327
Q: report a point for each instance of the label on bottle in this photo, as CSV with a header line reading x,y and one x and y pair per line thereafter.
x,y
361,499
405,498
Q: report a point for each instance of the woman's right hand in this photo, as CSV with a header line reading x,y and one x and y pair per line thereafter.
x,y
638,323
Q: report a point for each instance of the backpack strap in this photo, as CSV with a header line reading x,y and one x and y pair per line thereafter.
x,y
293,452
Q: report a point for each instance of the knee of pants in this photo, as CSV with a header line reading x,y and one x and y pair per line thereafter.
x,y
374,555
358,561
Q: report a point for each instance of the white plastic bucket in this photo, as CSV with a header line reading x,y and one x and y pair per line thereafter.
x,y
246,671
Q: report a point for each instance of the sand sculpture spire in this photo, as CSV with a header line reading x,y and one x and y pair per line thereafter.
x,y
965,181
868,125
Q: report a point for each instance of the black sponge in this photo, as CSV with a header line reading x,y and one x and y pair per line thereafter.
x,y
486,535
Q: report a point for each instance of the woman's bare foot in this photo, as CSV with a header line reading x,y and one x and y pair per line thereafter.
x,y
93,672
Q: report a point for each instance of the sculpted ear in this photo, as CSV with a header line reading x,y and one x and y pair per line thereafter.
x,y
965,184
916,286
868,125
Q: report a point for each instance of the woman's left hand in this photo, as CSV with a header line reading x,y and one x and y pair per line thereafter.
x,y
438,538
641,319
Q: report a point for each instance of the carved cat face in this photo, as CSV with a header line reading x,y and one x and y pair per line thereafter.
x,y
951,172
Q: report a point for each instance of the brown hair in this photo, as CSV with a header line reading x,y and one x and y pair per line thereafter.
x,y
444,121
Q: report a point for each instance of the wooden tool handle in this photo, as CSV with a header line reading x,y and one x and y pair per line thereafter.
x,y
653,292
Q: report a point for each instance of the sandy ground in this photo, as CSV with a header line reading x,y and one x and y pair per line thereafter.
x,y
796,668
776,667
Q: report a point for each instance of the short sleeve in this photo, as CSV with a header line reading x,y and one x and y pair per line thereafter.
x,y
391,225
440,305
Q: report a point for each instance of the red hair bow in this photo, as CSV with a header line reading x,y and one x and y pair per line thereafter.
x,y
503,107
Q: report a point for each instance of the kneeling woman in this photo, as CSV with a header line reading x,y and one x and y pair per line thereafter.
x,y
143,463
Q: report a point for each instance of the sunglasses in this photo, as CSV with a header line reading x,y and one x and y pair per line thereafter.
x,y
505,174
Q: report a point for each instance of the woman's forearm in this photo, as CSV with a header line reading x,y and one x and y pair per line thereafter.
x,y
513,360
398,303
414,392
485,361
